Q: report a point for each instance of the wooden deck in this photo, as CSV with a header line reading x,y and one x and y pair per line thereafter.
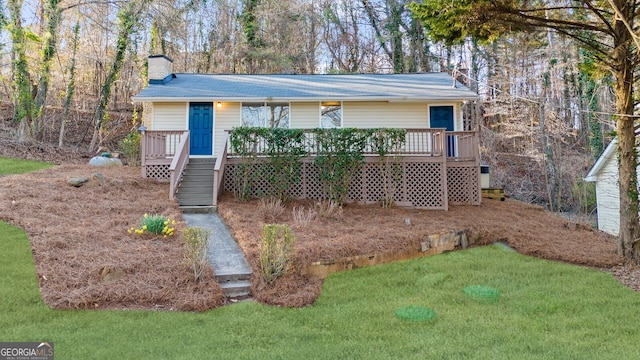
x,y
439,168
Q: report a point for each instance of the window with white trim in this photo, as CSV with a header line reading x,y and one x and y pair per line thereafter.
x,y
265,114
330,114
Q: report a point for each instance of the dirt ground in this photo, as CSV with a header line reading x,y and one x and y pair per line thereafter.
x,y
85,257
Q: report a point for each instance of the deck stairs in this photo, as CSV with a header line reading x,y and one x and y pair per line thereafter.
x,y
195,191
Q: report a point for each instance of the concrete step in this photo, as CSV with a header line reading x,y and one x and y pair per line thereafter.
x,y
198,209
236,288
224,277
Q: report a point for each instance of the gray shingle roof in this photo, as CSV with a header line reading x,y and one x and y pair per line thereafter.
x,y
356,87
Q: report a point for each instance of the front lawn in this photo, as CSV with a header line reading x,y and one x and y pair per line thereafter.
x,y
546,310
19,166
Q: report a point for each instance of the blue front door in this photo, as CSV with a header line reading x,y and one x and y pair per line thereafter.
x,y
201,128
442,117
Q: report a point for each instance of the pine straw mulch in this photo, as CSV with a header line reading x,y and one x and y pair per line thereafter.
x,y
83,254
86,259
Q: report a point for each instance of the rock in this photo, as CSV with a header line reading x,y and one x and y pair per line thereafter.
x,y
464,242
114,162
474,237
104,161
98,161
108,274
76,181
99,178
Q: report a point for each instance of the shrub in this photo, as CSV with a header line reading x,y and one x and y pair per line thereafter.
x,y
154,224
584,196
340,156
270,209
276,251
303,217
284,148
130,147
329,209
195,242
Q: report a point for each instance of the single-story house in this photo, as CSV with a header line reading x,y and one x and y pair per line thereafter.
x,y
208,106
605,175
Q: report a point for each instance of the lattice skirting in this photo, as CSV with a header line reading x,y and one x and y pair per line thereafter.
x,y
463,184
412,184
159,172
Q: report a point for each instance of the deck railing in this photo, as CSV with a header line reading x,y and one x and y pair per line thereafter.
x,y
218,171
160,144
178,164
462,146
421,142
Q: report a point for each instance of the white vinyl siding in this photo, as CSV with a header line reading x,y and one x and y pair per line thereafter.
x,y
305,115
226,117
608,198
384,114
608,195
170,116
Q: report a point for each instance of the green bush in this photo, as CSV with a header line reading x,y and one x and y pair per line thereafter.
x,y
195,242
340,157
584,196
276,251
130,147
284,148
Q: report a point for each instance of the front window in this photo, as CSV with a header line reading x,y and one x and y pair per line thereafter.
x,y
265,114
330,114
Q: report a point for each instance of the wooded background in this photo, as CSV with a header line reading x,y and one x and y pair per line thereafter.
x,y
70,68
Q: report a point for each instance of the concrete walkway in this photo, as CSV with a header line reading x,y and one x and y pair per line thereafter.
x,y
227,259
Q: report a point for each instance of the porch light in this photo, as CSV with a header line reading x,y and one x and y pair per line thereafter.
x,y
219,104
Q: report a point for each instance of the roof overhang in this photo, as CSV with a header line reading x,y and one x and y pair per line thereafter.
x,y
305,99
608,152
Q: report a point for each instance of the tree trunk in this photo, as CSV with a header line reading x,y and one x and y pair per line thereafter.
x,y
627,157
52,17
128,17
71,86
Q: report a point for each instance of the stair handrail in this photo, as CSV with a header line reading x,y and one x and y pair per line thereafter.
x,y
218,169
178,164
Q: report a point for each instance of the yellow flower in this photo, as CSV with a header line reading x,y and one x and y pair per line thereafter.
x,y
144,227
166,222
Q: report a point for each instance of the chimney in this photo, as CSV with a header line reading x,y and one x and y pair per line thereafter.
x,y
160,69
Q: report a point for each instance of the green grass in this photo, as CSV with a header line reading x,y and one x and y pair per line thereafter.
x,y
19,166
546,310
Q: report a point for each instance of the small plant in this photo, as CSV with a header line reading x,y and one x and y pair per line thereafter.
x,y
130,147
270,209
329,209
302,217
276,251
154,224
195,241
340,156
